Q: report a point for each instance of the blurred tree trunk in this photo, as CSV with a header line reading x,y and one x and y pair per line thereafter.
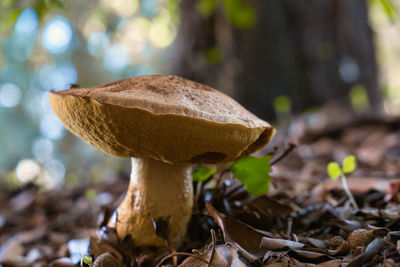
x,y
203,48
312,51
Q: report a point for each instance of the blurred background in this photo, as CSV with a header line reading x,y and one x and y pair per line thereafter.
x,y
278,58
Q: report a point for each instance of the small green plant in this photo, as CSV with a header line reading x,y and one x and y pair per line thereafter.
x,y
334,170
86,261
253,172
201,174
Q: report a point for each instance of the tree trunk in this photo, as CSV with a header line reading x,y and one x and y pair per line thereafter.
x,y
311,51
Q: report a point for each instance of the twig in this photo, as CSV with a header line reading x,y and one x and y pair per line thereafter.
x,y
213,243
234,190
290,147
289,226
246,255
220,180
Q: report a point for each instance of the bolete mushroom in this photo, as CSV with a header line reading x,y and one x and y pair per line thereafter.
x,y
165,124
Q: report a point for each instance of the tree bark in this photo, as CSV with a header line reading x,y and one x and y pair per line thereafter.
x,y
312,51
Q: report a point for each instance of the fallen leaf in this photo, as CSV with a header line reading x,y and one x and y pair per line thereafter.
x,y
331,263
62,262
357,185
11,250
278,244
398,246
235,231
275,207
317,242
392,213
374,248
223,255
309,256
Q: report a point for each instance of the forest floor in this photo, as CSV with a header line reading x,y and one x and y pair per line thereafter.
x,y
306,219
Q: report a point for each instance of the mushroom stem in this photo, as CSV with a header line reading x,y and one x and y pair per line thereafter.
x,y
157,190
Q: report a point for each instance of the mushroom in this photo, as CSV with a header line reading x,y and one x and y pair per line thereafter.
x,y
165,124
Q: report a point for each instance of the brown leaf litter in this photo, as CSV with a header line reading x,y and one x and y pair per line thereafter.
x,y
305,220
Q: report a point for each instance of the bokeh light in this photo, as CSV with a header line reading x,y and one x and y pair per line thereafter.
x,y
93,24
123,7
54,173
57,35
149,7
51,127
58,77
26,170
27,22
42,149
97,43
349,70
135,35
115,58
43,50
162,32
10,95
20,44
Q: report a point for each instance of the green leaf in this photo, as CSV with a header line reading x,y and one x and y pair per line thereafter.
x,y
334,170
253,173
202,173
389,8
86,261
349,164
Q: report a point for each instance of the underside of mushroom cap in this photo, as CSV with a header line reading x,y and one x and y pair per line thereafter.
x,y
161,117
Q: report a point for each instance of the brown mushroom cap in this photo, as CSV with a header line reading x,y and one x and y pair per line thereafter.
x,y
166,118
